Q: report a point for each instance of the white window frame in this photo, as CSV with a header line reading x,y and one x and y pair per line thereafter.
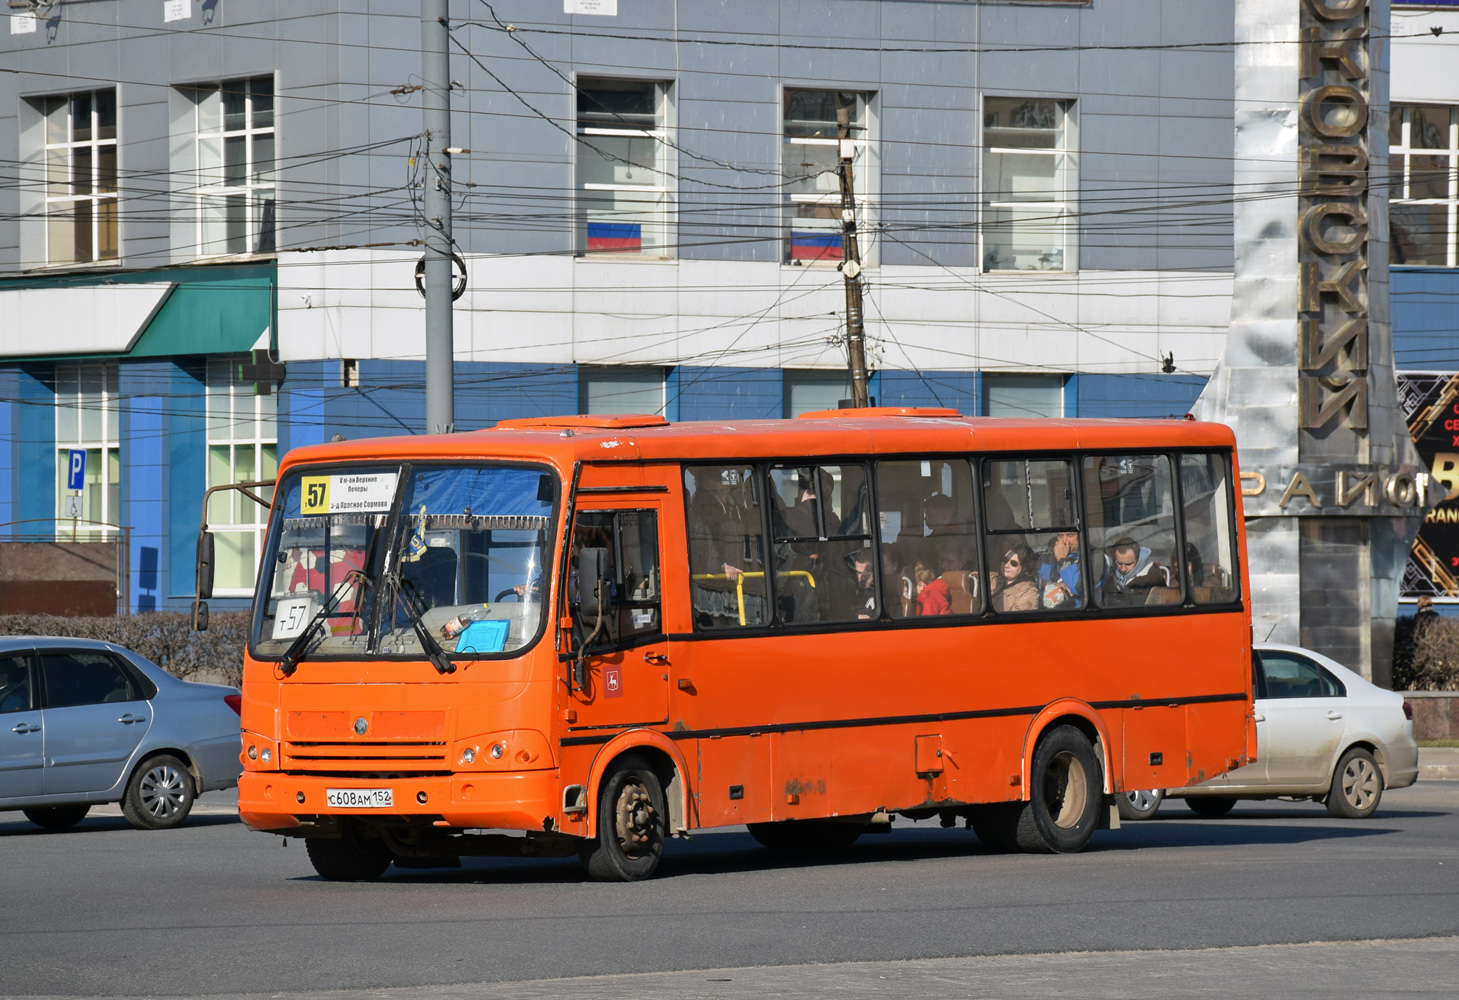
x,y
662,179
1063,209
74,404
1400,156
259,186
647,375
248,416
865,179
58,159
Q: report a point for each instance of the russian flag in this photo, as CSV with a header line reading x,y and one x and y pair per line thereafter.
x,y
615,237
815,245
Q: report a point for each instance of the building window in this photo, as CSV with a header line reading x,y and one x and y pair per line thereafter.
x,y
1028,181
1023,395
622,389
87,421
235,166
1423,149
622,168
81,177
242,447
814,125
811,391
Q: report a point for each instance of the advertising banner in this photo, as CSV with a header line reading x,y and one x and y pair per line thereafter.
x,y
1430,404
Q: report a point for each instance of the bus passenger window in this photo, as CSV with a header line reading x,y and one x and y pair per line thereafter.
x,y
1033,536
631,539
1130,513
929,537
726,547
824,566
1210,530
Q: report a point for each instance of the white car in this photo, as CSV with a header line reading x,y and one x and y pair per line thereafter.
x,y
1322,732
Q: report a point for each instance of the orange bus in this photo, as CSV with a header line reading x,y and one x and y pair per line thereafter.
x,y
585,635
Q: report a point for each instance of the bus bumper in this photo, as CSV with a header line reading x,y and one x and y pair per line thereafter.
x,y
296,804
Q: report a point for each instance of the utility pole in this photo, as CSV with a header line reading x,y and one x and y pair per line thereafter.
x,y
436,102
851,263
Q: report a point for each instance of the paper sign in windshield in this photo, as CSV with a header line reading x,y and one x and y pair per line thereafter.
x,y
352,493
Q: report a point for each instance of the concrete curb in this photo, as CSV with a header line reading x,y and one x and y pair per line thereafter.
x,y
1438,763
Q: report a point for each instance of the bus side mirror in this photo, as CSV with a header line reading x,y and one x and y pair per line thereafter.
x,y
595,578
200,616
205,565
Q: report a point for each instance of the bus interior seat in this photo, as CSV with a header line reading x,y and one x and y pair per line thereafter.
x,y
962,591
1163,595
434,576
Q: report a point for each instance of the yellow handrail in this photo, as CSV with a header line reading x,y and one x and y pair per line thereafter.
x,y
740,582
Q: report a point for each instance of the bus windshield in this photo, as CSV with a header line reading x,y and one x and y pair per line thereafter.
x,y
463,547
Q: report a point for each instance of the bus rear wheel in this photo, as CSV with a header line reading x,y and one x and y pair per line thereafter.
x,y
631,823
1065,794
806,835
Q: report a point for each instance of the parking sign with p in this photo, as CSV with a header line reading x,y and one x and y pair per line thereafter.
x,y
76,469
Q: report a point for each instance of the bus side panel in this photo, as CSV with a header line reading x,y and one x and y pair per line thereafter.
x,y
733,783
1212,751
1155,751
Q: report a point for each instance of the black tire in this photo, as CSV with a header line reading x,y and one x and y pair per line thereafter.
x,y
806,836
996,826
56,817
1210,806
1065,797
351,857
1139,805
159,795
1357,786
631,823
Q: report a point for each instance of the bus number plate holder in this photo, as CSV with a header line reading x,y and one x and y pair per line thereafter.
x,y
360,798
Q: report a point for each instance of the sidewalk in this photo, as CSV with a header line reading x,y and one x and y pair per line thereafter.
x,y
1438,763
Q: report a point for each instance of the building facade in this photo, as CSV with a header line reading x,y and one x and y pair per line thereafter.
x,y
209,242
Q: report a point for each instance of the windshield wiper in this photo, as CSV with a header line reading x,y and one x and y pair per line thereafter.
x,y
410,601
300,646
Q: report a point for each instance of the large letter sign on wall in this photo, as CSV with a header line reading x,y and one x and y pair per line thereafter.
x,y
1333,185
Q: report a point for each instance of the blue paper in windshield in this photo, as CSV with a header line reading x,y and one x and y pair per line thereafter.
x,y
484,637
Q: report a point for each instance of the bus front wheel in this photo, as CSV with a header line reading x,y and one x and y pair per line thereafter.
x,y
350,857
1065,794
631,823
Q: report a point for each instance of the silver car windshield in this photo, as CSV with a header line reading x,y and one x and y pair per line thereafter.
x,y
464,547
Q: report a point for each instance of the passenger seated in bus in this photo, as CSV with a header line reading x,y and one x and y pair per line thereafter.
x,y
851,595
1132,573
796,593
896,581
724,541
932,595
1014,577
1059,572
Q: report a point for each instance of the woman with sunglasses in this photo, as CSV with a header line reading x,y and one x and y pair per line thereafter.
x,y
1015,578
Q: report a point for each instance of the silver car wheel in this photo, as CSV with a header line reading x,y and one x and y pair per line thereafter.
x,y
1360,785
162,791
1140,804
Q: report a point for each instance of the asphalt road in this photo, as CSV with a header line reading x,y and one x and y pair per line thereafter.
x,y
212,908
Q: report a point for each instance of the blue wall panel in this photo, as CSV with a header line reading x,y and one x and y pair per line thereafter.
x,y
36,445
187,452
9,447
1136,395
958,390
1425,318
145,455
729,393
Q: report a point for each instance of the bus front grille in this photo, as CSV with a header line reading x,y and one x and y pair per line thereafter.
x,y
335,757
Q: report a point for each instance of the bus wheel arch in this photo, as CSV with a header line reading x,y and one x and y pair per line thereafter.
x,y
665,759
1068,712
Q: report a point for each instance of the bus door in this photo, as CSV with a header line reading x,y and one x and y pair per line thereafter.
x,y
619,662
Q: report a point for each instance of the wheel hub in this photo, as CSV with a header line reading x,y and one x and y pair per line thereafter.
x,y
1065,790
162,792
634,817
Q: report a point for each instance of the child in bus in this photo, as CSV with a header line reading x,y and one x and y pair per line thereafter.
x,y
1014,578
932,595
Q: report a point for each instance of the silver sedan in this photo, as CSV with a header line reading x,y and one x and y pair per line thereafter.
x,y
85,722
1322,732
